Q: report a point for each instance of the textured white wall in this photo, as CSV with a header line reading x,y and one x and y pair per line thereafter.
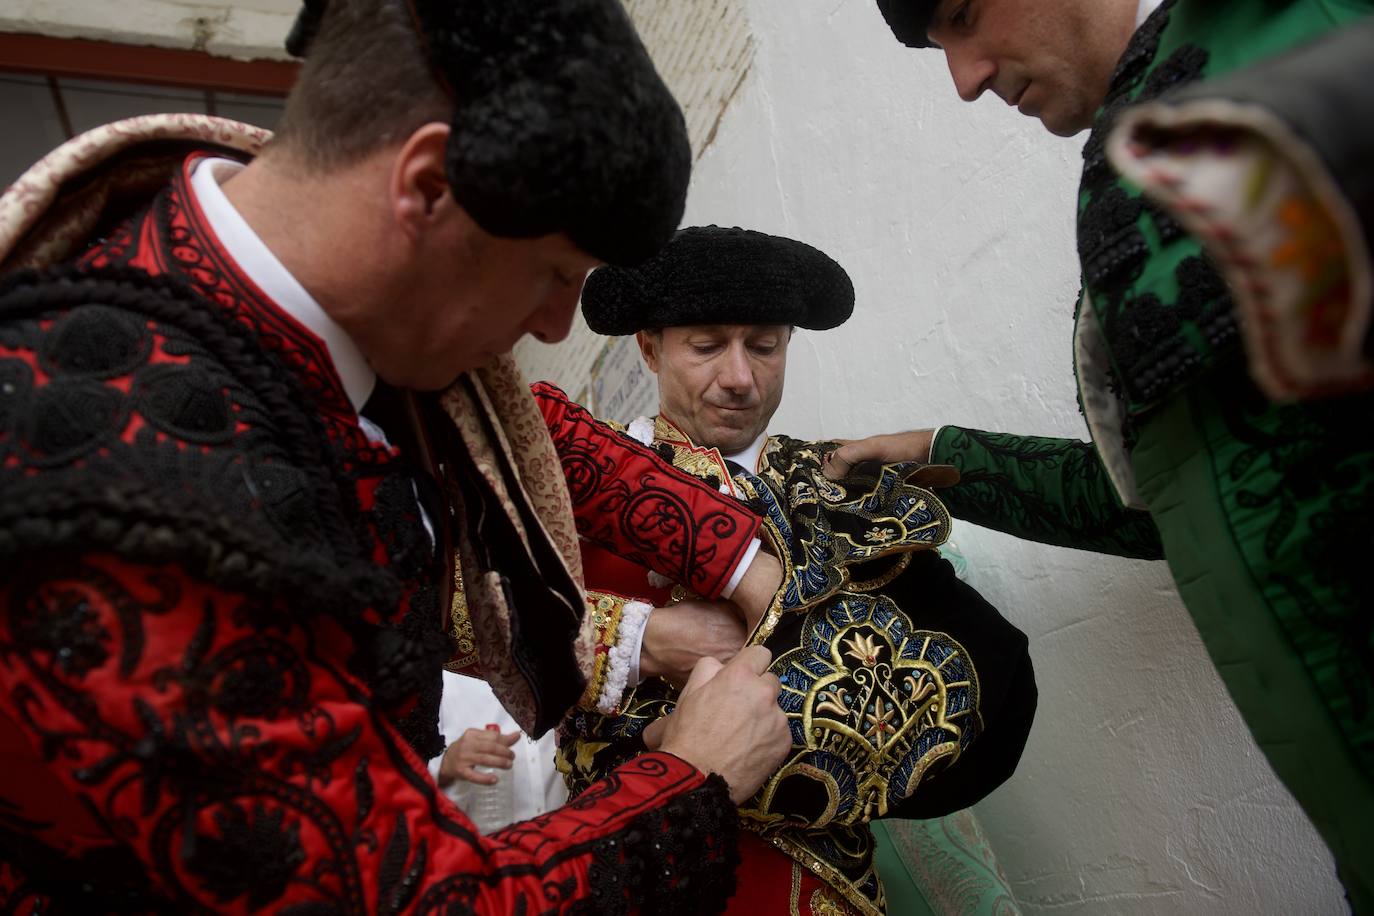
x,y
1140,791
243,29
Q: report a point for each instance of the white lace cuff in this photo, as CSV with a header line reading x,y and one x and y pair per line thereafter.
x,y
624,656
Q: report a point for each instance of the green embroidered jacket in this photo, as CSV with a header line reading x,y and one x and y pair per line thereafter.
x,y
1154,315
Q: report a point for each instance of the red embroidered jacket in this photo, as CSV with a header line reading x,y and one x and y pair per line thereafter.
x,y
218,617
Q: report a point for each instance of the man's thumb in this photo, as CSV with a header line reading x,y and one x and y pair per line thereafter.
x,y
706,668
653,734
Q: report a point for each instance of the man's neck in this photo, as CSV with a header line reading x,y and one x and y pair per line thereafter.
x,y
260,265
309,227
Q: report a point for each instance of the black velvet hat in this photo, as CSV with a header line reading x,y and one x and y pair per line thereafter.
x,y
561,123
909,20
716,275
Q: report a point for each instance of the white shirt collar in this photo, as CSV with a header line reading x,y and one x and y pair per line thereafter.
x,y
1144,10
260,265
749,458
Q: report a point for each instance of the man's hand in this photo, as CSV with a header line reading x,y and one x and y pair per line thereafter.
x,y
728,722
477,747
893,447
757,587
678,636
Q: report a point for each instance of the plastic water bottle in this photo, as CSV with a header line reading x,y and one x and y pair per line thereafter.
x,y
956,559
491,807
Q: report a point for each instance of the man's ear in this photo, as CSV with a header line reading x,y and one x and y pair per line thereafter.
x,y
648,348
418,187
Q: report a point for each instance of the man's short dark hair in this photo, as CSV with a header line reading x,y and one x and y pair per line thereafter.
x,y
366,84
559,121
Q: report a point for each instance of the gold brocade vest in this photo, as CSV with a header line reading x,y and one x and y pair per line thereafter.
x,y
883,701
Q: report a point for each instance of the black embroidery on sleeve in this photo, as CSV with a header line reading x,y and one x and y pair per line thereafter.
x,y
674,861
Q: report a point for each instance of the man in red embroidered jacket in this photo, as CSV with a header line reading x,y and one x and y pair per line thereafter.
x,y
228,520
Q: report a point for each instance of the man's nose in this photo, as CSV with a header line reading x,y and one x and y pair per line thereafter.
x,y
972,72
735,374
552,322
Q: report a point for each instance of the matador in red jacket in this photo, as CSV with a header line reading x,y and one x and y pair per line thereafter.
x,y
908,694
240,482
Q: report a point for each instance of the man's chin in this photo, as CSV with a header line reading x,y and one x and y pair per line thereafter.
x,y
422,377
729,441
1065,130
1062,123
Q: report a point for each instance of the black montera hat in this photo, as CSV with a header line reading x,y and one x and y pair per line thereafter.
x,y
716,275
909,20
561,123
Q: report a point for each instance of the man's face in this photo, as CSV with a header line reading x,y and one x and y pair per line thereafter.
x,y
1052,59
720,383
472,298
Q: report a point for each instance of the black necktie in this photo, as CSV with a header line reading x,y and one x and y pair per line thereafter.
x,y
385,407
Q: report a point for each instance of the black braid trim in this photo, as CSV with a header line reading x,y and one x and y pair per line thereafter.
x,y
109,880
310,547
139,522
677,860
1151,351
1111,247
1136,59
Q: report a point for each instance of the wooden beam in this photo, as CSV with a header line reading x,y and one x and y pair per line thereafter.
x,y
59,105
81,58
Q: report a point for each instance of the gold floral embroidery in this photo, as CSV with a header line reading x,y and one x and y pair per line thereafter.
x,y
879,722
879,535
605,611
879,704
876,703
835,700
460,625
863,649
705,463
825,903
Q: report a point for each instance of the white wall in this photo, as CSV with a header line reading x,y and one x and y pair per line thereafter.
x,y
243,29
1140,791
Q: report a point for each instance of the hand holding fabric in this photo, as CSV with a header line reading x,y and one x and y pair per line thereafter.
x,y
885,449
727,722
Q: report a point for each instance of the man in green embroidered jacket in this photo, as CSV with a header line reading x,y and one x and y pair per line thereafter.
x,y
1260,508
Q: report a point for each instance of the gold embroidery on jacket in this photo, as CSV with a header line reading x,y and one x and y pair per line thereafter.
x,y
460,626
875,705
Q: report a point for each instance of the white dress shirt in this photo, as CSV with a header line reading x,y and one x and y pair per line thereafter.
x,y
749,458
536,786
